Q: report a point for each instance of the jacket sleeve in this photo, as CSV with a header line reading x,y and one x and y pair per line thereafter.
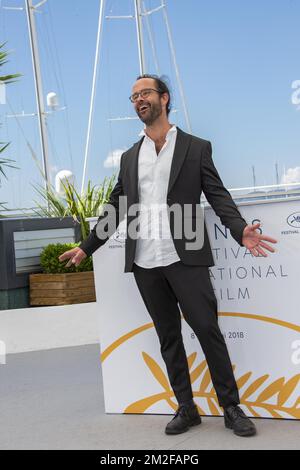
x,y
107,222
219,198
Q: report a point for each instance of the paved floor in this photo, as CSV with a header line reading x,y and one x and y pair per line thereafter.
x,y
54,400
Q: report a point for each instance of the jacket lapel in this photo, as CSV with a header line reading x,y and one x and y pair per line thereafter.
x,y
134,161
181,147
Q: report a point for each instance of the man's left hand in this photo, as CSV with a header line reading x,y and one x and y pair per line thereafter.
x,y
255,241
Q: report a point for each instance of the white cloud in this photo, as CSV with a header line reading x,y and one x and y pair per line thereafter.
x,y
113,158
292,175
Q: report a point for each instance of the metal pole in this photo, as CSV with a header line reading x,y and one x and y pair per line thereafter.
x,y
186,114
139,31
91,113
151,39
38,90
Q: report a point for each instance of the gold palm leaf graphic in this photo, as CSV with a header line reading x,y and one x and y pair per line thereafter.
x,y
191,360
273,398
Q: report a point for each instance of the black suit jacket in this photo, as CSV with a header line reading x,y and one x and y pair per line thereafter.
x,y
192,171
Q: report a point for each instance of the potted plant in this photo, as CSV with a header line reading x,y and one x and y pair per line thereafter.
x,y
71,203
58,285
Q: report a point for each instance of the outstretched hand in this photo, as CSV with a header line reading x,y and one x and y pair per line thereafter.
x,y
75,256
255,241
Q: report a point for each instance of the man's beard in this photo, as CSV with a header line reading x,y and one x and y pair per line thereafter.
x,y
152,114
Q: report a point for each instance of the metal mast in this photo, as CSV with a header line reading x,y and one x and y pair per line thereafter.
x,y
186,114
91,113
30,10
140,12
140,39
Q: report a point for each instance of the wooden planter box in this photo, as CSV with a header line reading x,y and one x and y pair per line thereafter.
x,y
62,289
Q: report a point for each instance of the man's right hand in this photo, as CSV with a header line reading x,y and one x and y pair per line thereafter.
x,y
75,256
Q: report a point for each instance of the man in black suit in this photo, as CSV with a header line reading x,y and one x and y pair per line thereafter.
x,y
168,167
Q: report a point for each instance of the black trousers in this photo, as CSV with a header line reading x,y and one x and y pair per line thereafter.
x,y
162,288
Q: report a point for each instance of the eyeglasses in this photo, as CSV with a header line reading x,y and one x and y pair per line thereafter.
x,y
143,93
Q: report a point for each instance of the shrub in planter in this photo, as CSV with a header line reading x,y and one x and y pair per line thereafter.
x,y
59,285
51,264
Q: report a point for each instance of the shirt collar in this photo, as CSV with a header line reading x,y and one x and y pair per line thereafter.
x,y
170,131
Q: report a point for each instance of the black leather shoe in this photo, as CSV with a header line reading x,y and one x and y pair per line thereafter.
x,y
236,420
185,417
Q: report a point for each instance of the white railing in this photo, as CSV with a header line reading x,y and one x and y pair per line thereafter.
x,y
266,193
250,193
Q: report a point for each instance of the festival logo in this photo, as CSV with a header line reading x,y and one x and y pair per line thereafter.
x,y
294,220
260,395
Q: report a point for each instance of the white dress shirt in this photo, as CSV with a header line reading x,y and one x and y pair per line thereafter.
x,y
155,246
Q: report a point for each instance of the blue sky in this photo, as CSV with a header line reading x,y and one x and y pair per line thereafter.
x,y
237,60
